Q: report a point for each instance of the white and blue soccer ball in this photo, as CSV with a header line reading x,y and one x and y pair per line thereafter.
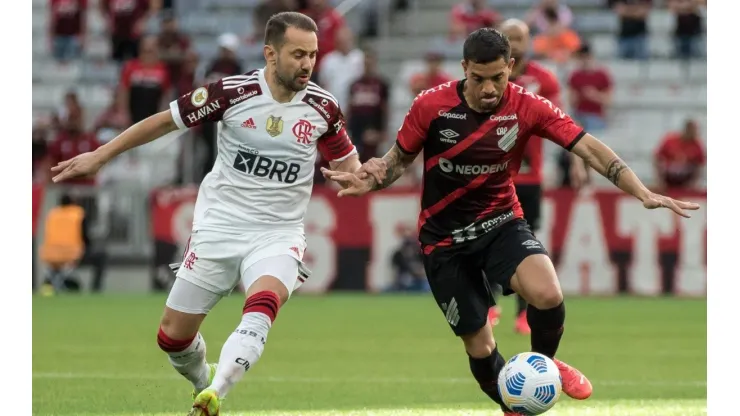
x,y
530,383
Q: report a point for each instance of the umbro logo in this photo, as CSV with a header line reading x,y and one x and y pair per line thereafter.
x,y
249,124
530,244
448,136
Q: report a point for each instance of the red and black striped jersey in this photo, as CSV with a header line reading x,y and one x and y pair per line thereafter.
x,y
471,157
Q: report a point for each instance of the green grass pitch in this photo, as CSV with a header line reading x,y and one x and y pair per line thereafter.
x,y
362,355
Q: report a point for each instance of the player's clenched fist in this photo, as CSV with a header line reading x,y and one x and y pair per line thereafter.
x,y
86,164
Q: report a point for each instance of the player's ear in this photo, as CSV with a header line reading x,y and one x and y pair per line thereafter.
x,y
511,63
270,54
464,64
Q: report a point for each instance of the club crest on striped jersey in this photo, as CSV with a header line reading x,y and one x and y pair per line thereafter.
x,y
274,126
508,137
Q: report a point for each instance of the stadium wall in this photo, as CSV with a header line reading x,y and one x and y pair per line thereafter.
x,y
602,242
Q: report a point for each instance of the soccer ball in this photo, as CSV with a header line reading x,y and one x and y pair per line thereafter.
x,y
530,383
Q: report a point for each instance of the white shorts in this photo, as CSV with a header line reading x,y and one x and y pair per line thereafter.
x,y
189,297
218,262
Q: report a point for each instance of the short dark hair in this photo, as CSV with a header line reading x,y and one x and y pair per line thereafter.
x,y
584,50
551,14
279,23
486,45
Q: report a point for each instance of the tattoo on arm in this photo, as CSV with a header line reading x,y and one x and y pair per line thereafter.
x,y
397,162
614,170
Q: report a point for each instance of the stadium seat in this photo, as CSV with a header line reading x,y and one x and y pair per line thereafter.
x,y
98,48
604,46
40,21
107,73
625,71
48,71
420,22
661,22
96,23
232,4
600,21
661,45
660,70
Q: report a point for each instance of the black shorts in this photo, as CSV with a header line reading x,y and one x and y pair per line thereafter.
x,y
461,276
530,196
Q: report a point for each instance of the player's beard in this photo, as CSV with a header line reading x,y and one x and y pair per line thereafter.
x,y
291,81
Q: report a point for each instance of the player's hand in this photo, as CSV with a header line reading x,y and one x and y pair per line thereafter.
x,y
376,167
352,184
86,164
654,200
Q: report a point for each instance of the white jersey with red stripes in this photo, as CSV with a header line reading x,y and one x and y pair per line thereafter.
x,y
263,174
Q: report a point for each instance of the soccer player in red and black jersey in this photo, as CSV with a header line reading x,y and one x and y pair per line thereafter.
x,y
528,181
473,133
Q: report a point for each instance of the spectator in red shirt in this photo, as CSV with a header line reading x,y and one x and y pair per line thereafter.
x,y
67,28
71,141
173,45
433,75
474,14
680,158
145,82
590,91
126,21
329,22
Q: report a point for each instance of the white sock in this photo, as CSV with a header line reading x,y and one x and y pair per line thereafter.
x,y
241,351
191,362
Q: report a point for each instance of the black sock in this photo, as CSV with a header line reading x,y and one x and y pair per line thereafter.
x,y
485,371
521,305
547,328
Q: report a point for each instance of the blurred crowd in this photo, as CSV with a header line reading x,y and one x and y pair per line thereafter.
x,y
156,67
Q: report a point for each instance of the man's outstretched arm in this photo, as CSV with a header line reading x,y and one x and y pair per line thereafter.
x,y
603,160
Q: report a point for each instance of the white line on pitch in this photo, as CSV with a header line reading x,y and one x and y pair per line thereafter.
x,y
372,380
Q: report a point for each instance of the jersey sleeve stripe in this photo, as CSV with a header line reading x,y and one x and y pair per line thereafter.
x,y
576,140
243,84
238,81
323,94
238,77
400,147
175,110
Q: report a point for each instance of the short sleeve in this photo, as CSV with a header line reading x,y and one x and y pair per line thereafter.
x,y
335,145
413,131
553,124
210,102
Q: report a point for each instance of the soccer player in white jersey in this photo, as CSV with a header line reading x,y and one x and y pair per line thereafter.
x,y
248,221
